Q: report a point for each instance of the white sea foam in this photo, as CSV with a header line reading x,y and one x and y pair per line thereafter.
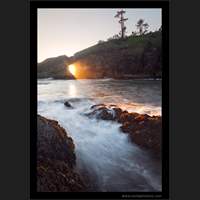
x,y
102,150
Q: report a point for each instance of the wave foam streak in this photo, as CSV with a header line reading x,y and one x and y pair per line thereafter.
x,y
103,152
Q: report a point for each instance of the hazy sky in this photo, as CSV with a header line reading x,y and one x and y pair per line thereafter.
x,y
66,31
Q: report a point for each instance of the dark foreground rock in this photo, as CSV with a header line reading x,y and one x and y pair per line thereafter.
x,y
56,159
144,130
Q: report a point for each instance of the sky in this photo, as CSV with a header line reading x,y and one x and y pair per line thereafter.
x,y
67,31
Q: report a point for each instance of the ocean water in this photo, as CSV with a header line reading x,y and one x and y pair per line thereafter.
x,y
104,153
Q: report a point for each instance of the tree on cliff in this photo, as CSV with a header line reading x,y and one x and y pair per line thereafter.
x,y
143,27
120,14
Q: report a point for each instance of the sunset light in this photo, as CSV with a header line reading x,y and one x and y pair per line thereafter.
x,y
72,69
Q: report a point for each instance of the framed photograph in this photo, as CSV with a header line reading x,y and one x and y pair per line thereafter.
x,y
99,99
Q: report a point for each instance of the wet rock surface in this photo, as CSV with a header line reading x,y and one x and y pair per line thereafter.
x,y
67,104
143,130
101,111
56,159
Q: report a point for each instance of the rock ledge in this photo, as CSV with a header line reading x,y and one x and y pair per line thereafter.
x,y
56,159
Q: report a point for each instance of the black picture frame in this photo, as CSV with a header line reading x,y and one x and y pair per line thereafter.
x,y
164,5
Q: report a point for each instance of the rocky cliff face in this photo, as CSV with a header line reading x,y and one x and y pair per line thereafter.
x,y
54,68
133,57
56,159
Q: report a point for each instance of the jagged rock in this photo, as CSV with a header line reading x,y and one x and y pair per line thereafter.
x,y
97,105
144,130
100,111
67,104
56,159
125,116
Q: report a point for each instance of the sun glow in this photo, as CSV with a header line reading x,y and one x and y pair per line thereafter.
x,y
72,69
